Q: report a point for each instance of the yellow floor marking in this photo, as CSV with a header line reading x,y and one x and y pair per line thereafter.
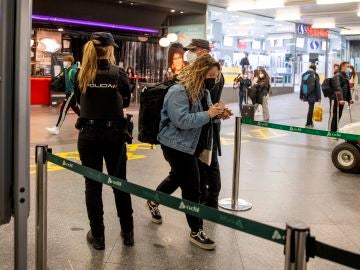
x,y
74,156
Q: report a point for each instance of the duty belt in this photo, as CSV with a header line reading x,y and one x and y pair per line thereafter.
x,y
103,123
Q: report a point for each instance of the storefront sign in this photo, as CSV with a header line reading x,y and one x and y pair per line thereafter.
x,y
307,30
314,45
242,44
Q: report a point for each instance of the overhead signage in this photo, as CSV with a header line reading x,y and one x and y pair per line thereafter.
x,y
307,30
242,44
314,45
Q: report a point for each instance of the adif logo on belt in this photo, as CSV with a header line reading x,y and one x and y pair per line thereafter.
x,y
67,164
188,207
116,183
102,85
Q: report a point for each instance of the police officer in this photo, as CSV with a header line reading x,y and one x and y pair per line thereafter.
x,y
103,91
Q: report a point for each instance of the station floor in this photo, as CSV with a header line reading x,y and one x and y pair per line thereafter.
x,y
286,176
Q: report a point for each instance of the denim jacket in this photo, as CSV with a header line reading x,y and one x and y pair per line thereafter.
x,y
181,123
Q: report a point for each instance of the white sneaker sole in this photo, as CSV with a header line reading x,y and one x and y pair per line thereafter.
x,y
153,220
52,132
203,246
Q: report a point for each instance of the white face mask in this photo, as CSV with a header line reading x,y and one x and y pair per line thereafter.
x,y
190,57
66,64
261,75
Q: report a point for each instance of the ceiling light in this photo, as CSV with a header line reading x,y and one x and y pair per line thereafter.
x,y
164,42
119,2
323,23
288,14
353,31
60,29
173,10
257,4
92,23
330,2
172,37
181,12
244,22
132,3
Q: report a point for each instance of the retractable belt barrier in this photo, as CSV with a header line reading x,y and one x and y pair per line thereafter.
x,y
277,235
323,133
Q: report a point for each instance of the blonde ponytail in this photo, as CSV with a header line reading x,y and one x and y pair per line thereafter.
x,y
89,66
88,70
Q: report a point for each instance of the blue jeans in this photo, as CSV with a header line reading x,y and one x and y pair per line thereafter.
x,y
242,99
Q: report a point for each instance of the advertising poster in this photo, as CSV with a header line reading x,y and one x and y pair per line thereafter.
x,y
187,32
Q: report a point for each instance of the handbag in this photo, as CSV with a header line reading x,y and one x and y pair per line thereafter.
x,y
318,113
206,155
57,83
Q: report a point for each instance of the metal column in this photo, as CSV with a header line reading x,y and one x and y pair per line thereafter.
x,y
234,203
21,125
41,207
297,234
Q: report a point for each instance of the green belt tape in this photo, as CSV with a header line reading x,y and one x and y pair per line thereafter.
x,y
323,133
242,224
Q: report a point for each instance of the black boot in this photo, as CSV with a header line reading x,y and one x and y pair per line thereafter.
x,y
128,238
96,242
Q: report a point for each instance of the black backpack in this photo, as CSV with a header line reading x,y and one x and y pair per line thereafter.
x,y
327,87
151,103
308,83
57,84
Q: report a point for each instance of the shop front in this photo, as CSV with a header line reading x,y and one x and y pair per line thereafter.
x,y
139,50
284,49
268,43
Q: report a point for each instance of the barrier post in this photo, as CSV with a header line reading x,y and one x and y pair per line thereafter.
x,y
41,207
234,203
297,234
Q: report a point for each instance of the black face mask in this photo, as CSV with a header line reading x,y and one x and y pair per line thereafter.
x,y
209,83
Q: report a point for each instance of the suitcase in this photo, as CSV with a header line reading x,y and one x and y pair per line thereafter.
x,y
248,110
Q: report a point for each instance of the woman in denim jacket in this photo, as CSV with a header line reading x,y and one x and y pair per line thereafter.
x,y
184,132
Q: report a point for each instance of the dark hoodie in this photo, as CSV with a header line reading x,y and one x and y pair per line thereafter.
x,y
340,83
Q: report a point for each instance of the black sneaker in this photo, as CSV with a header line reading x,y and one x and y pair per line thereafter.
x,y
202,240
128,238
96,242
155,213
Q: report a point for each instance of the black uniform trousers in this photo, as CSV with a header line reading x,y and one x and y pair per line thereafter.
x,y
96,144
185,174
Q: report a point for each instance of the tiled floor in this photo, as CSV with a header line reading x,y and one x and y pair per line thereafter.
x,y
286,176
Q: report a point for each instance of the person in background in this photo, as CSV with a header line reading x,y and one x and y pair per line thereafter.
x,y
184,133
310,92
342,93
244,62
354,84
175,61
130,72
245,83
70,70
261,87
335,68
252,90
103,91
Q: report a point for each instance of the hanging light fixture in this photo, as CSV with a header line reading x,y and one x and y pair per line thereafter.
x,y
172,37
164,42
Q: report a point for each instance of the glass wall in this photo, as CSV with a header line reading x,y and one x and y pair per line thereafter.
x,y
270,44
